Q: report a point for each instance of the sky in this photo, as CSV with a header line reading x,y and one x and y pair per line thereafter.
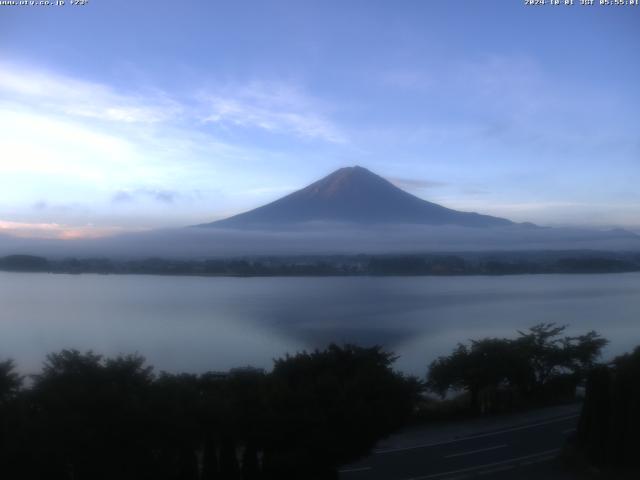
x,y
119,115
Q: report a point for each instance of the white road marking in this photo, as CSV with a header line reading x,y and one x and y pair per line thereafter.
x,y
473,437
487,465
474,451
360,469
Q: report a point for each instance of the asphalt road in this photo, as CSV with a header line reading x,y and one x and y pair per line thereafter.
x,y
486,455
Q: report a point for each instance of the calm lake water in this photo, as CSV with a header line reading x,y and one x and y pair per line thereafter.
x,y
197,323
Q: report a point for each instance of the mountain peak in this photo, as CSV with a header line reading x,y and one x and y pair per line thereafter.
x,y
358,196
345,173
344,181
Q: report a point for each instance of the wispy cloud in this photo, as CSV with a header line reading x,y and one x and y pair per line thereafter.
x,y
274,108
556,212
475,191
416,183
158,195
82,98
43,205
277,107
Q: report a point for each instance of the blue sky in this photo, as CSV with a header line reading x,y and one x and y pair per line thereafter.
x,y
122,115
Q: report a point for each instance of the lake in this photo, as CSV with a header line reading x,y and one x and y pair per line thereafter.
x,y
216,323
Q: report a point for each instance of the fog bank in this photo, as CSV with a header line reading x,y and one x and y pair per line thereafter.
x,y
323,239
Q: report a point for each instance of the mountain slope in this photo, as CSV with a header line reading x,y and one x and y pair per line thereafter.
x,y
355,195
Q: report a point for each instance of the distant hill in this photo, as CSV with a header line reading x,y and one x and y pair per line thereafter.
x,y
355,195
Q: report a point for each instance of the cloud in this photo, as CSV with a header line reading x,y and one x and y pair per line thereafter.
x,y
416,183
122,196
557,213
159,195
475,191
83,98
38,144
271,190
43,205
279,109
57,230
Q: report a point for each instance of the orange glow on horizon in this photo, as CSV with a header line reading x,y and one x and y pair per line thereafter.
x,y
57,231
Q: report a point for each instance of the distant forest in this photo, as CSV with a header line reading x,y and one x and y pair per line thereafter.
x,y
495,263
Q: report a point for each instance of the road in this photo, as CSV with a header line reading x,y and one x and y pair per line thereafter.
x,y
486,455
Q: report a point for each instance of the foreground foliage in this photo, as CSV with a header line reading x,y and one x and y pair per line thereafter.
x,y
608,429
89,417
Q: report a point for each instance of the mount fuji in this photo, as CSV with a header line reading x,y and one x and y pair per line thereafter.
x,y
354,195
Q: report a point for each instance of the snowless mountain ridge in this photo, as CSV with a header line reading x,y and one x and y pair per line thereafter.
x,y
358,196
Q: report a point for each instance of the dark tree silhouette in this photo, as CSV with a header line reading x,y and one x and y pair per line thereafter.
x,y
86,417
610,420
330,407
10,382
10,386
539,365
484,364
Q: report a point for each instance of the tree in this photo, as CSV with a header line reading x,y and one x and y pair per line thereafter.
x,y
95,418
330,407
90,417
486,363
543,350
608,429
10,388
552,358
10,381
539,364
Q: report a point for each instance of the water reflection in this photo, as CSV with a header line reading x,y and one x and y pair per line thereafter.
x,y
197,324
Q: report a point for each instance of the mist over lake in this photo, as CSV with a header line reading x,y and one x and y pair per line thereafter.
x,y
199,324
